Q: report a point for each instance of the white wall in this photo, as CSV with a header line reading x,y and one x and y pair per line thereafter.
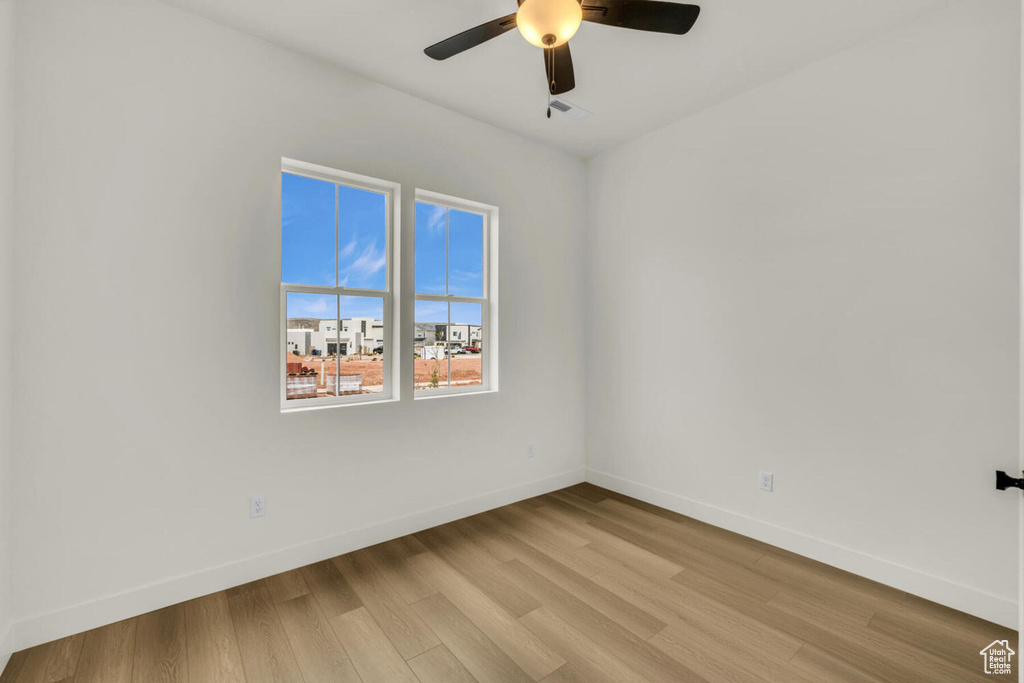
x,y
829,267
6,304
148,154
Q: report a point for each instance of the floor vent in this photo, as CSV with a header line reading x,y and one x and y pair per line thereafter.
x,y
573,111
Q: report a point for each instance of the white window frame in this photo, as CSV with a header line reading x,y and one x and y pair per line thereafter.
x,y
488,302
392,346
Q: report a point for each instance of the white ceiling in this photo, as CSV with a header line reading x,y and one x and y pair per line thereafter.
x,y
633,81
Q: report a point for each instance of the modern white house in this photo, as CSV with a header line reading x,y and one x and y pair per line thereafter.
x,y
300,341
457,334
465,335
357,335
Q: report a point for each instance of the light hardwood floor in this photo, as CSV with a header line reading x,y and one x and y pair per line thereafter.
x,y
579,586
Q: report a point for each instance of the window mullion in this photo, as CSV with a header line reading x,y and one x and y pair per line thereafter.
x,y
341,291
337,348
447,256
352,291
448,348
337,264
309,289
442,298
439,298
337,297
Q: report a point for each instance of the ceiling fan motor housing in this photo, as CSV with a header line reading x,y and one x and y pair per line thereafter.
x,y
549,23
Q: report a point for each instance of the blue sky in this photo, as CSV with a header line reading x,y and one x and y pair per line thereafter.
x,y
465,262
321,306
466,314
308,240
308,234
437,312
307,231
466,241
325,306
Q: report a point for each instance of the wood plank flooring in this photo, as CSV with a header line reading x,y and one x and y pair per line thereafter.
x,y
578,586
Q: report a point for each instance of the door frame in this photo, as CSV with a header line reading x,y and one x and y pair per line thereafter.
x,y
1020,392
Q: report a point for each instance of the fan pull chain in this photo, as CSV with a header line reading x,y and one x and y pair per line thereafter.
x,y
551,85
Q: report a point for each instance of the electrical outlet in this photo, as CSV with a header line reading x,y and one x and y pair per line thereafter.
x,y
257,506
767,481
529,450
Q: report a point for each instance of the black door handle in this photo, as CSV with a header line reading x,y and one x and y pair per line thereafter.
x,y
1005,481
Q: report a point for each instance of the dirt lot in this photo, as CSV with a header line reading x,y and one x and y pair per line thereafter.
x,y
464,369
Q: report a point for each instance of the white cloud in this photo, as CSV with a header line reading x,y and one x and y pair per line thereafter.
x,y
436,218
431,312
371,260
311,306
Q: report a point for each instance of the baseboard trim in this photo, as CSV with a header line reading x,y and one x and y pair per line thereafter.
x,y
43,628
988,606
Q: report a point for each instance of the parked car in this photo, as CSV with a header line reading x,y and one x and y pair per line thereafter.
x,y
456,350
379,349
472,349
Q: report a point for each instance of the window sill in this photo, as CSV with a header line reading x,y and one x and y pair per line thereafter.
x,y
328,406
451,394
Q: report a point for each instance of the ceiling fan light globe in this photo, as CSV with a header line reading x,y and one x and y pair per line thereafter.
x,y
553,20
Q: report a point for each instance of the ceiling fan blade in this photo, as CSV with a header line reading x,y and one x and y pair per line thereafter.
x,y
471,38
642,15
558,65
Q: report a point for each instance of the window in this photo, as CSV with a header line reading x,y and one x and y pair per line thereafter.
x,y
455,339
337,235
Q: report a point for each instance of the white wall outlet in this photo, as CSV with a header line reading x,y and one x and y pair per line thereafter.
x,y
767,481
257,506
529,450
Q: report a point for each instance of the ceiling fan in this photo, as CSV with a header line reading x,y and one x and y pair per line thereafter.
x,y
549,24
